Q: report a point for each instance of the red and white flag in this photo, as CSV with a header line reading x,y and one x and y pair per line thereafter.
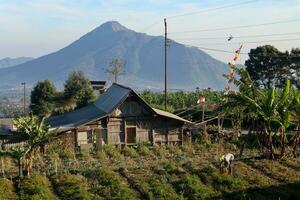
x,y
237,54
201,100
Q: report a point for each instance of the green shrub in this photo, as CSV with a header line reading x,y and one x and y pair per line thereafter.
x,y
221,182
84,155
111,151
66,153
109,185
192,188
169,166
128,151
155,187
175,150
188,148
70,186
7,190
144,150
160,151
101,155
36,186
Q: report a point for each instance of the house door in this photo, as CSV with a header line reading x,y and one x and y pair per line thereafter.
x,y
131,135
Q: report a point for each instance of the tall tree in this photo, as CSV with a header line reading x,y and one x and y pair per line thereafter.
x,y
42,98
116,69
79,89
295,67
265,65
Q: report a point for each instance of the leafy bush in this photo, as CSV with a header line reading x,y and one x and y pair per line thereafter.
x,y
160,151
111,151
70,186
109,185
101,155
188,148
170,166
156,187
211,176
66,153
175,150
84,155
144,150
128,151
36,186
192,188
7,190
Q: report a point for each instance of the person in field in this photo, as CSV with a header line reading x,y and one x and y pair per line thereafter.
x,y
226,161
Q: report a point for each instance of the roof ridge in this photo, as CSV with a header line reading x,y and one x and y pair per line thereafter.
x,y
123,86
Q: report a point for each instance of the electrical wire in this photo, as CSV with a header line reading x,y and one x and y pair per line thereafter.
x,y
242,36
213,9
237,27
232,52
251,42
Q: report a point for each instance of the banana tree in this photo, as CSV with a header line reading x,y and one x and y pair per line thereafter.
x,y
264,107
16,153
296,108
36,133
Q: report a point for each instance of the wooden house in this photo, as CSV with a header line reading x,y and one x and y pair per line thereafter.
x,y
120,117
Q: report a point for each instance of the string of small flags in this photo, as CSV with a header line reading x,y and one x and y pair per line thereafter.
x,y
232,66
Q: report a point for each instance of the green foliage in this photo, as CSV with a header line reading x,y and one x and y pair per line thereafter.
x,y
71,187
109,185
112,151
7,190
42,98
155,187
36,187
143,150
33,129
268,66
131,152
211,176
160,151
78,88
181,100
192,188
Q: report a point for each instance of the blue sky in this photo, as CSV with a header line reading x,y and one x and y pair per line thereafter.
x,y
38,27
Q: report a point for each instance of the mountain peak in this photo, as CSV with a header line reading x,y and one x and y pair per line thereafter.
x,y
113,26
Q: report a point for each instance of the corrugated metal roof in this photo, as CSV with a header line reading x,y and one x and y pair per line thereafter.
x,y
101,108
169,115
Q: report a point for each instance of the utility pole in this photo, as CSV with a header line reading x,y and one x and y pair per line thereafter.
x,y
165,22
24,97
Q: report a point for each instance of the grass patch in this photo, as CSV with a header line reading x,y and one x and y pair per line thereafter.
x,y
36,187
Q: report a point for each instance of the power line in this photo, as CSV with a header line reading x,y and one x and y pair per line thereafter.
x,y
232,52
237,27
242,36
213,9
251,42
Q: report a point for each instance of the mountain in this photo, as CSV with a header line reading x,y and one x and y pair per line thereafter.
x,y
9,62
188,67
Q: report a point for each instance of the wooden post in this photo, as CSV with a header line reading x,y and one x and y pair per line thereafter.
x,y
75,139
181,136
2,167
125,133
219,125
